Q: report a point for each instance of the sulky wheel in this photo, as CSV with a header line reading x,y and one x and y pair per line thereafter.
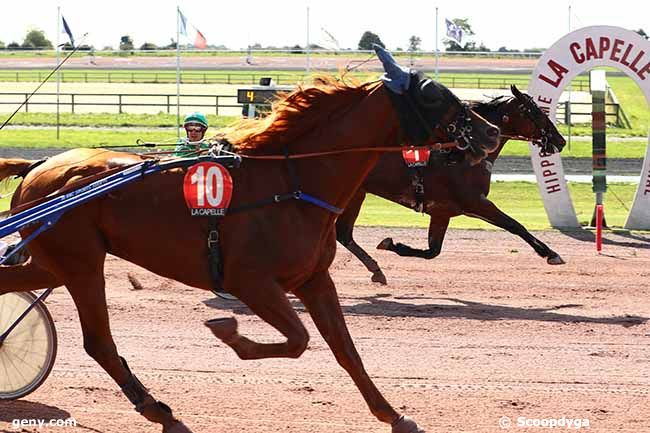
x,y
28,351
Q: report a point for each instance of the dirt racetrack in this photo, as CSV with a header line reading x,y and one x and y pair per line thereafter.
x,y
485,331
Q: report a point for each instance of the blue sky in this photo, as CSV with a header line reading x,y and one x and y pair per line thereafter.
x,y
515,24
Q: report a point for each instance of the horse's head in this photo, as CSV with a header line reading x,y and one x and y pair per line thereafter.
x,y
526,119
430,111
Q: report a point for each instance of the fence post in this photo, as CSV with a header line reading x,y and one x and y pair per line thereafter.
x,y
26,103
132,77
119,102
168,112
72,103
567,113
228,78
216,105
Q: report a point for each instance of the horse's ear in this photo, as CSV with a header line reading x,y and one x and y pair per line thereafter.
x,y
397,78
515,91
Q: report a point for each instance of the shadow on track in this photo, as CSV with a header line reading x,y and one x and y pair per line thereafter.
x,y
387,306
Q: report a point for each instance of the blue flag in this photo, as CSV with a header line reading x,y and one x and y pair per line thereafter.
x,y
66,28
454,31
183,23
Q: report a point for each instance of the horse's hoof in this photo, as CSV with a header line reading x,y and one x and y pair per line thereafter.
x,y
406,425
379,277
385,244
177,427
555,260
224,329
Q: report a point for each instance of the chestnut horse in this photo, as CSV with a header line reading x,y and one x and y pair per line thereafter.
x,y
266,251
452,187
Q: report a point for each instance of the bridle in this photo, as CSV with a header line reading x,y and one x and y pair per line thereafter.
x,y
532,111
459,130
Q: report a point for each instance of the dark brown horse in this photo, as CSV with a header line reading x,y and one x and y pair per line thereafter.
x,y
266,251
452,187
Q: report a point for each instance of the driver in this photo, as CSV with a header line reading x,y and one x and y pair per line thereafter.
x,y
195,124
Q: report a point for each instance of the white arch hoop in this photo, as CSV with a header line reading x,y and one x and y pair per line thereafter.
x,y
578,51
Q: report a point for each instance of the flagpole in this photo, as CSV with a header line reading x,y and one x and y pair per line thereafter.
x,y
436,43
178,70
308,59
58,75
569,95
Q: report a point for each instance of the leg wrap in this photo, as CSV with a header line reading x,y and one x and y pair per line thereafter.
x,y
137,394
135,390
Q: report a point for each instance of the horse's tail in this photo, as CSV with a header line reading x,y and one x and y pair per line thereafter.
x,y
13,167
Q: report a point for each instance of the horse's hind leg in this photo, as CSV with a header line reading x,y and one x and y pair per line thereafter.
x,y
437,229
344,235
87,290
81,267
88,293
320,298
272,306
25,277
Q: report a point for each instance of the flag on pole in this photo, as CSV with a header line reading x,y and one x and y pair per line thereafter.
x,y
329,39
454,31
183,22
200,41
66,28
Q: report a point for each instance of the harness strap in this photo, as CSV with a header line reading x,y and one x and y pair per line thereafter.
x,y
214,254
417,180
318,202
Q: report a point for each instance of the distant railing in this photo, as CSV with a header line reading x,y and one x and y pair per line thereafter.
x,y
580,112
71,102
165,102
207,77
298,51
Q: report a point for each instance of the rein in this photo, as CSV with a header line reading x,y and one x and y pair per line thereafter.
x,y
433,147
543,140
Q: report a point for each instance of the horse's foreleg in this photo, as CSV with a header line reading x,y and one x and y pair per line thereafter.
x,y
344,235
320,298
272,306
25,277
437,230
87,291
486,210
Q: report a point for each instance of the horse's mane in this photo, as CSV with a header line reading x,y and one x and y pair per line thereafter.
x,y
492,104
293,115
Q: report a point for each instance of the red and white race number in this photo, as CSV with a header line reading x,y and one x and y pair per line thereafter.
x,y
207,188
416,157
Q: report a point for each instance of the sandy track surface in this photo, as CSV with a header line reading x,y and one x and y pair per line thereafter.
x,y
321,62
486,330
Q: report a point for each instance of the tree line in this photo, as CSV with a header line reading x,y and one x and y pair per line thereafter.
x,y
35,39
